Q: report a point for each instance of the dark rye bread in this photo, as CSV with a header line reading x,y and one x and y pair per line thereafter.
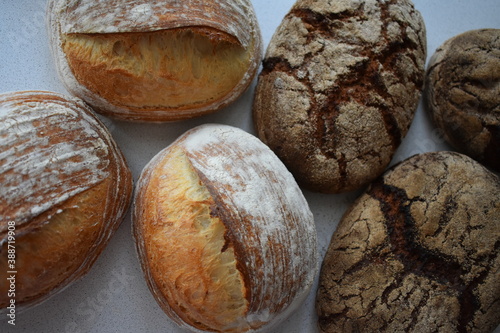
x,y
339,87
462,93
417,252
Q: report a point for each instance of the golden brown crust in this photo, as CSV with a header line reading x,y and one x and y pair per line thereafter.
x,y
148,72
162,67
66,187
462,93
339,87
215,255
48,255
186,250
417,252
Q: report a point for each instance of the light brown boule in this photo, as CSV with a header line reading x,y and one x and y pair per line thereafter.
x,y
339,87
462,93
225,237
417,252
155,61
64,189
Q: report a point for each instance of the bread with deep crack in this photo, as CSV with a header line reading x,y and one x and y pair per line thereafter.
x,y
340,84
417,252
155,61
225,237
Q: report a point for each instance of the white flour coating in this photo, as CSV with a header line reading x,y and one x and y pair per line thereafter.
x,y
111,16
249,177
40,171
235,17
142,13
254,182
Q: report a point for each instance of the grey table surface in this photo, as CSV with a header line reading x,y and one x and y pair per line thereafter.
x,y
113,296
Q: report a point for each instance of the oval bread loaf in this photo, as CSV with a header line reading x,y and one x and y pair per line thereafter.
x,y
462,93
64,189
417,252
225,237
155,61
339,87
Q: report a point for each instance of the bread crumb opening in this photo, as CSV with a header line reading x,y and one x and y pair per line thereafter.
x,y
175,68
199,280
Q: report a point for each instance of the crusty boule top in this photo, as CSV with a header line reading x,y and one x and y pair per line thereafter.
x,y
462,93
340,83
64,189
155,61
417,252
225,236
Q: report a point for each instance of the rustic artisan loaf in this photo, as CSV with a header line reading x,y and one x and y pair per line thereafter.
x,y
64,190
225,237
417,252
462,93
155,61
339,87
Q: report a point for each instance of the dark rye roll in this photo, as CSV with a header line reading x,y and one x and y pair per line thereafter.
x,y
340,84
417,252
462,93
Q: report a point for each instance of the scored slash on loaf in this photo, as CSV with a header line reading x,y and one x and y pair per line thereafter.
x,y
225,237
155,61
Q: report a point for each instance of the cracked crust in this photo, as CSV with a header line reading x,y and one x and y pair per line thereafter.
x,y
417,252
463,93
339,87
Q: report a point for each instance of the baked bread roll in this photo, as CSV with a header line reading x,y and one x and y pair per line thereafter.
x,y
65,188
462,93
155,61
225,237
417,252
340,84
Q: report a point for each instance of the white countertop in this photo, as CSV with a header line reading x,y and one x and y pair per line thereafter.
x,y
113,296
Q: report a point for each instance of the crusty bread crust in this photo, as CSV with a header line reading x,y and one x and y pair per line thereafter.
x,y
417,252
252,234
339,87
66,186
189,58
462,93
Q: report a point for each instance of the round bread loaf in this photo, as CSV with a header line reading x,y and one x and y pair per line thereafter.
x,y
417,252
225,237
155,61
463,93
339,87
64,189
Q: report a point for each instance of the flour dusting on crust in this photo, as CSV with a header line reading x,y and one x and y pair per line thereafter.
x,y
253,182
49,152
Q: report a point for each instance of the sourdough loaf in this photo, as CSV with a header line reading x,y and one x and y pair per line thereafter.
x,y
155,61
64,190
225,237
462,93
417,252
340,84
